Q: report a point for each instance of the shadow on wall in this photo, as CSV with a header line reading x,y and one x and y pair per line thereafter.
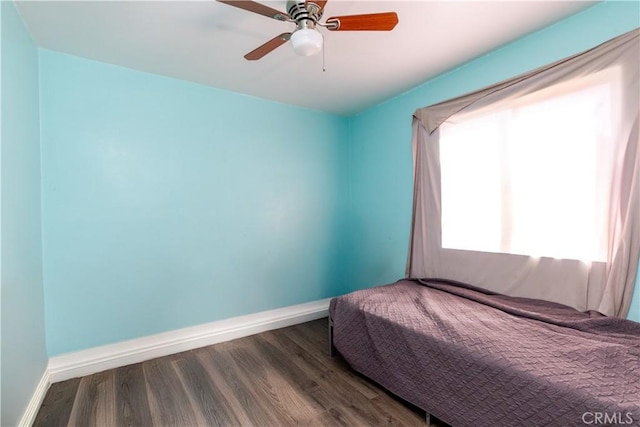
x,y
375,255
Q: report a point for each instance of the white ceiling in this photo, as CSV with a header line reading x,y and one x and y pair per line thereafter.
x,y
204,42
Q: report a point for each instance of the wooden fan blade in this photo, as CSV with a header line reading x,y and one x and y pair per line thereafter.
x,y
258,8
320,3
269,46
372,22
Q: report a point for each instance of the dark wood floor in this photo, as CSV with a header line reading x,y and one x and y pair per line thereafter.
x,y
277,378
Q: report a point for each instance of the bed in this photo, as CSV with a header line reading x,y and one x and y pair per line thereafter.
x,y
475,358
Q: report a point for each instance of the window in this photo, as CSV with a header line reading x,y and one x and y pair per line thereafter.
x,y
529,176
530,187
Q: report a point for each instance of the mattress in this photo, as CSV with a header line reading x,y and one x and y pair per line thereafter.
x,y
475,358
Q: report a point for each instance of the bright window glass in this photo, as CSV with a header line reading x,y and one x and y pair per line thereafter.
x,y
529,177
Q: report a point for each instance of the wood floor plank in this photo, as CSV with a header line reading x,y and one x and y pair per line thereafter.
x,y
316,334
339,417
279,357
94,404
277,378
217,378
280,388
318,351
397,413
131,397
106,408
57,404
342,377
211,401
84,403
332,391
242,387
168,401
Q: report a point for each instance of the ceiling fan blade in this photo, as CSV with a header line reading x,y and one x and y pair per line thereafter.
x,y
258,8
269,46
319,3
372,22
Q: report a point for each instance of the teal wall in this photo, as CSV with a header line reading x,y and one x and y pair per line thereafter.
x,y
168,204
24,357
634,311
161,204
380,148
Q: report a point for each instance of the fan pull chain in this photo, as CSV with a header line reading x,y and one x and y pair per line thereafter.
x,y
323,68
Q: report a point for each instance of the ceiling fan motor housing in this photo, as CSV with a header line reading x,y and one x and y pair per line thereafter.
x,y
304,17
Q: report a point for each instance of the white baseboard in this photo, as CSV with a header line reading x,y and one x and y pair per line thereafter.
x,y
97,359
29,415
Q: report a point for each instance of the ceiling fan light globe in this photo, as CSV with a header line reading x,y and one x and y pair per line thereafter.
x,y
306,42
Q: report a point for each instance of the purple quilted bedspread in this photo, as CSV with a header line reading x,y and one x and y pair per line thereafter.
x,y
475,358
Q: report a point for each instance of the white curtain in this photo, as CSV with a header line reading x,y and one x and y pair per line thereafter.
x,y
590,270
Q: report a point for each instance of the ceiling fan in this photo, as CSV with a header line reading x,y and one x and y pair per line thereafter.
x,y
306,39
